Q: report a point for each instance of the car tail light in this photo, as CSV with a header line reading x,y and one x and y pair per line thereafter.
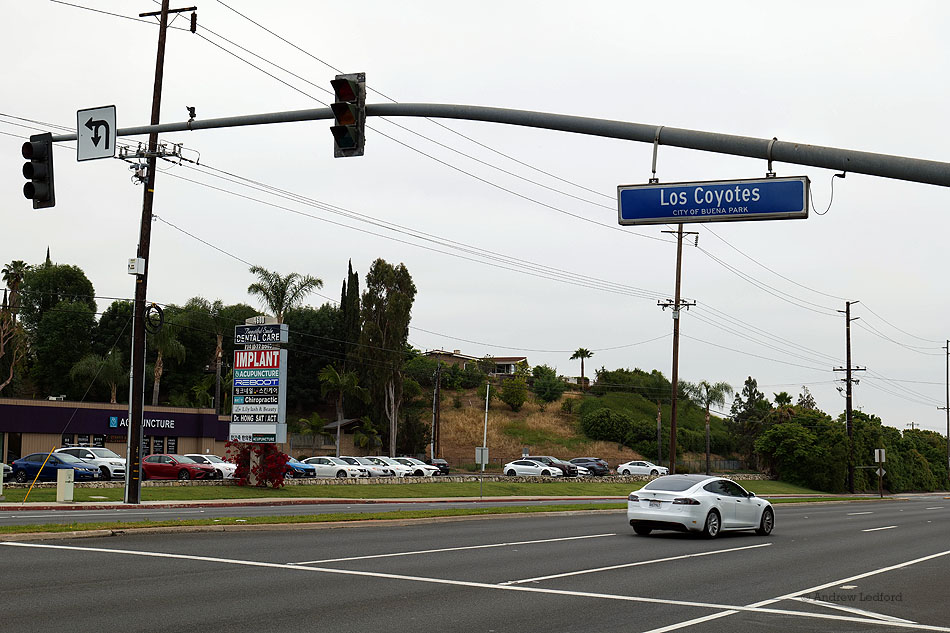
x,y
685,501
632,497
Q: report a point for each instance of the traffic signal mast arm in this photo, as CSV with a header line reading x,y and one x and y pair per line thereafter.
x,y
883,165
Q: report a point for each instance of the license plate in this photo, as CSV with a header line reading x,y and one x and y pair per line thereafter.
x,y
654,504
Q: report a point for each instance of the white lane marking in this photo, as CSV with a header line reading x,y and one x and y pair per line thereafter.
x,y
841,607
886,527
935,508
452,549
851,514
539,590
636,564
789,596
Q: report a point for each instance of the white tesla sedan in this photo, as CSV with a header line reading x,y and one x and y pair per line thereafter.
x,y
698,503
521,467
640,467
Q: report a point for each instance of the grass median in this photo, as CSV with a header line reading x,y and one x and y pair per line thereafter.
x,y
377,491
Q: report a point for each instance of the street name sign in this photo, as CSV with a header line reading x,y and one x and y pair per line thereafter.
x,y
713,201
95,133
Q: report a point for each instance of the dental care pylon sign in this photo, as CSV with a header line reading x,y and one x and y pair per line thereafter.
x,y
713,201
259,405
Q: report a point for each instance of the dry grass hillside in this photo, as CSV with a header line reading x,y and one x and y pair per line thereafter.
x,y
548,432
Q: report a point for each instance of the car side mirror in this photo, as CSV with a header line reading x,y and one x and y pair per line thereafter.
x,y
750,494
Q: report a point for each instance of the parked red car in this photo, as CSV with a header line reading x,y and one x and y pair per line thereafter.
x,y
166,466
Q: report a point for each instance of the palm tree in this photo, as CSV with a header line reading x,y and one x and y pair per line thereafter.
x,y
13,276
166,345
366,436
343,386
108,370
705,395
281,293
582,353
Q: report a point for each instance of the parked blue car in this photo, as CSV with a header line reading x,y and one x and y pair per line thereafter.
x,y
299,469
25,468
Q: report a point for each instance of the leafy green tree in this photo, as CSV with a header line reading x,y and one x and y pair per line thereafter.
x,y
166,346
61,339
344,386
514,393
705,395
13,347
582,353
547,386
114,329
44,287
749,413
279,293
316,333
109,370
607,425
386,312
366,436
806,400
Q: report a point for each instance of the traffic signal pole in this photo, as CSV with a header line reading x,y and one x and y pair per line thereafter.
x,y
883,165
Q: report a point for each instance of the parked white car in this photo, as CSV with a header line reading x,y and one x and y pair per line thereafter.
x,y
374,469
111,465
335,467
224,470
401,470
419,467
522,467
640,467
698,503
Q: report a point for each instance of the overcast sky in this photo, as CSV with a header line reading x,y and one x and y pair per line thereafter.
x,y
854,75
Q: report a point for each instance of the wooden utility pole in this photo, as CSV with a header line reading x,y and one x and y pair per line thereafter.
x,y
947,408
676,304
848,381
133,485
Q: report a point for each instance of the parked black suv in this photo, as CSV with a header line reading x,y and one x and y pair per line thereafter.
x,y
595,465
567,468
441,464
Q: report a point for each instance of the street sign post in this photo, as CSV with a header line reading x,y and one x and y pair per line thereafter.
x,y
96,132
713,201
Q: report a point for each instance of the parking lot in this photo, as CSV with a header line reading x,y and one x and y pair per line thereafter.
x,y
846,567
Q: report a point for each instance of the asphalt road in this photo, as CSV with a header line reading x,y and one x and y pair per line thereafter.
x,y
29,516
584,572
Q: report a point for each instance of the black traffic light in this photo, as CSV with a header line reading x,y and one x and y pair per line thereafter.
x,y
349,112
39,171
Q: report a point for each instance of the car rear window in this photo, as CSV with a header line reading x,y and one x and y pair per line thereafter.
x,y
672,483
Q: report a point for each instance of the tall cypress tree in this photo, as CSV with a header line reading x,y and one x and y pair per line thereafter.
x,y
351,313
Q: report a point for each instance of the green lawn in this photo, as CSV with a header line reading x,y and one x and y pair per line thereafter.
x,y
378,491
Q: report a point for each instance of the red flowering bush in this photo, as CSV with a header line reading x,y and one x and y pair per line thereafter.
x,y
269,470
